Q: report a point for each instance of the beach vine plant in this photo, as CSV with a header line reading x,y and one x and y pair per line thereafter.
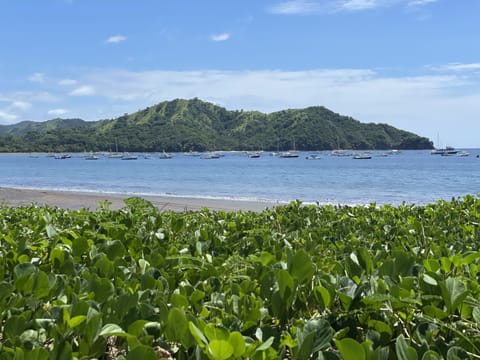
x,y
295,281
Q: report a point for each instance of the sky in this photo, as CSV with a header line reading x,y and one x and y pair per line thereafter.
x,y
413,64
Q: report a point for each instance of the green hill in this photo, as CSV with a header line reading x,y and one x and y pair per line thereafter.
x,y
183,125
34,126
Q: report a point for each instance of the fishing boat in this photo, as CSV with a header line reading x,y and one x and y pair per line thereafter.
x,y
253,155
165,155
362,156
341,153
116,154
91,157
211,155
289,154
62,156
446,151
129,157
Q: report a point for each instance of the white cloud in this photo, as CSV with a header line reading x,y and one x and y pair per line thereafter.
x,y
356,5
295,7
85,90
299,7
57,112
220,37
37,77
458,67
67,82
116,39
7,118
33,97
21,105
420,2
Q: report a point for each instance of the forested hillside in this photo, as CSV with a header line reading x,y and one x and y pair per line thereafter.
x,y
183,125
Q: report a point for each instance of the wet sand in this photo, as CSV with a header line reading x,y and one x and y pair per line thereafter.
x,y
80,200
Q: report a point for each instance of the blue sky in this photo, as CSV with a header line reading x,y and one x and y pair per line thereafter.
x,y
414,64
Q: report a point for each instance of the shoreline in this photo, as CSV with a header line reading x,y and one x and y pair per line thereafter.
x,y
75,200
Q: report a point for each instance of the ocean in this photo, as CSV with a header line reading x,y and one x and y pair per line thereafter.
x,y
415,177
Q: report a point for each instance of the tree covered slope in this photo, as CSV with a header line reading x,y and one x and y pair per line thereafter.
x,y
183,125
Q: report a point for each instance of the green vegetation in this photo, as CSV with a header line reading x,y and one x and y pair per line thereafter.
x,y
184,125
300,282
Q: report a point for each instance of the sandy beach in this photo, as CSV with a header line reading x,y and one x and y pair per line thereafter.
x,y
80,200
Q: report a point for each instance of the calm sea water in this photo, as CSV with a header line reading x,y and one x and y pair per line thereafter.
x,y
411,176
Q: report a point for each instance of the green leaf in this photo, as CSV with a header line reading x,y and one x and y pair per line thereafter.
x,y
105,267
215,332
286,286
435,312
41,286
24,270
453,293
350,349
102,288
177,328
37,354
238,343
80,246
457,353
476,314
115,249
265,345
220,349
6,290
305,347
266,258
142,352
366,260
197,334
301,266
324,296
112,330
404,351
76,320
137,327
93,325
14,326
51,231
431,355
380,326
404,263
62,350
322,336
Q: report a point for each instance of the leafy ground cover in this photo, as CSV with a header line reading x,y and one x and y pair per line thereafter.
x,y
300,282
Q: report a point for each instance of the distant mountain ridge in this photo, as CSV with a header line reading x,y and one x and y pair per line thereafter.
x,y
184,125
28,126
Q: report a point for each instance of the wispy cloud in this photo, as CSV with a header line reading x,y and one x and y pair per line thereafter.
x,y
358,5
7,118
302,7
420,2
295,7
116,39
57,112
37,77
21,105
456,67
85,90
220,37
67,82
